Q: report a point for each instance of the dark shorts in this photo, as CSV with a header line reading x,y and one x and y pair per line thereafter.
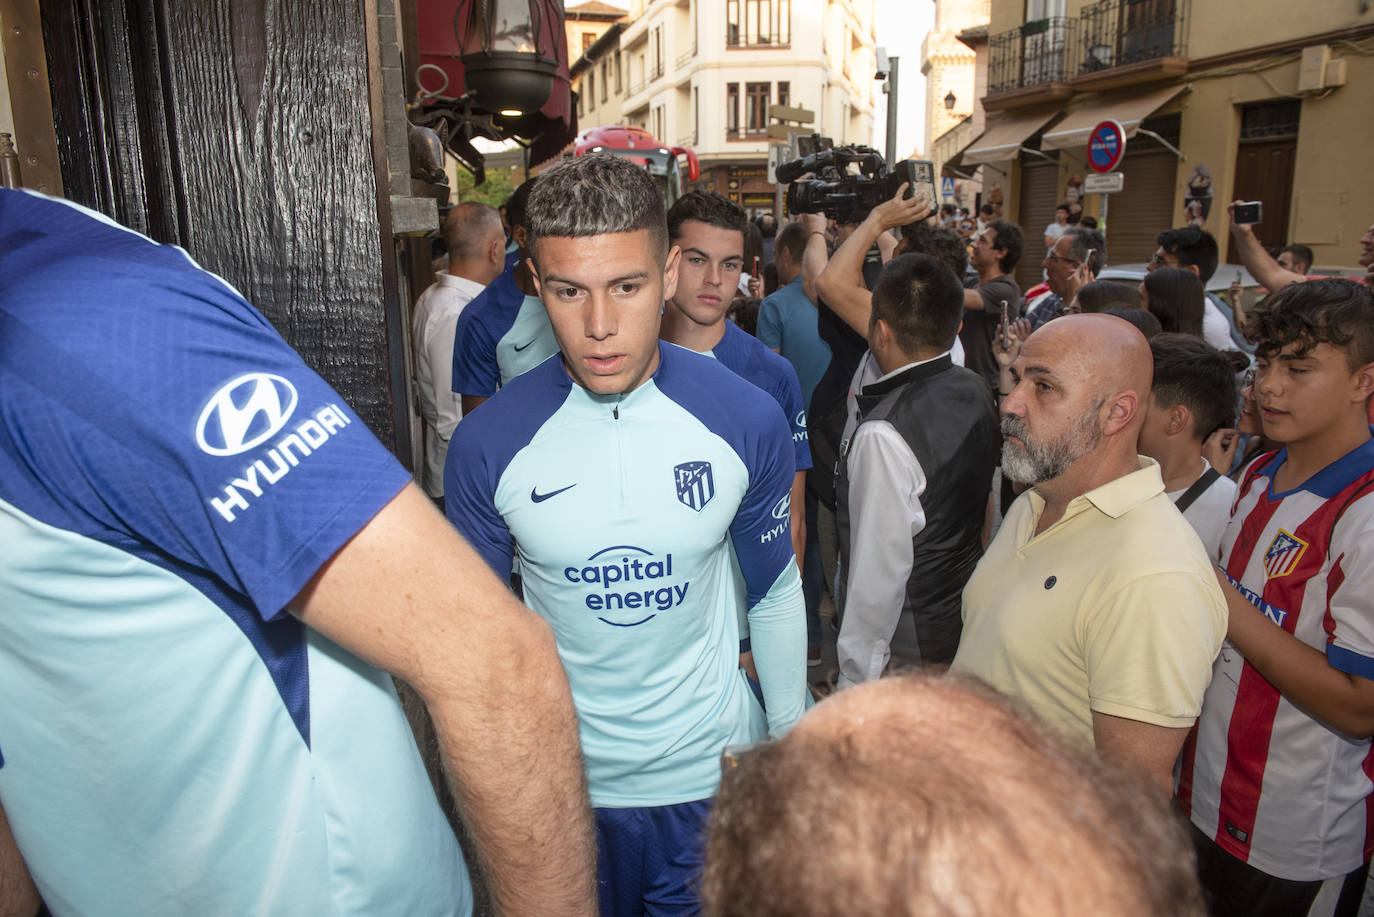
x,y
649,859
1236,889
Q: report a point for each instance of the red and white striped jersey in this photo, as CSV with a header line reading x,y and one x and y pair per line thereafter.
x,y
1270,784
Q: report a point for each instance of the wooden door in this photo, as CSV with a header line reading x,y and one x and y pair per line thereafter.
x,y
1264,172
243,132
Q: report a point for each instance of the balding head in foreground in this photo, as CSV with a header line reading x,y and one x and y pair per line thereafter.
x,y
935,795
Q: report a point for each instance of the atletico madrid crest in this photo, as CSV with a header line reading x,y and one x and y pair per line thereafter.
x,y
695,484
1283,555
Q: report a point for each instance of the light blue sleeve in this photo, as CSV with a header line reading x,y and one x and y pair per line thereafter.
x,y
763,547
777,629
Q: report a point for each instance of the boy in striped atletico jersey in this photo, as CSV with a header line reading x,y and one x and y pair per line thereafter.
x,y
1279,776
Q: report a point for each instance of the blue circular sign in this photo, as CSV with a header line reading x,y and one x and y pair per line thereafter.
x,y
1106,146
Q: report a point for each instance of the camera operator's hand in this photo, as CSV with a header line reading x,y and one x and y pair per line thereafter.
x,y
815,222
901,211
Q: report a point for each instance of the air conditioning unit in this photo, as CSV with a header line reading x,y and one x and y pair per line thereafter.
x,y
1319,71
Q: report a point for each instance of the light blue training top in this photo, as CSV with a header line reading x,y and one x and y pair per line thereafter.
x,y
172,741
627,512
501,334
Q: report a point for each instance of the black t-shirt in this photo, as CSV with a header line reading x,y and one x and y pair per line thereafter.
x,y
980,328
826,412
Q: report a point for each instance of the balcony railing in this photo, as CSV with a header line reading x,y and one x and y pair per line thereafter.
x,y
637,88
656,72
1114,33
685,58
1033,55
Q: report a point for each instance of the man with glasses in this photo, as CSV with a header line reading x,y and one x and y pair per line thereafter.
x,y
1068,267
994,255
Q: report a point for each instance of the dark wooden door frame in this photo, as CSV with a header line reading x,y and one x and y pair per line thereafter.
x,y
248,133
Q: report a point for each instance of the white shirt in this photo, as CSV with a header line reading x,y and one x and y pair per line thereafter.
x,y
432,328
1210,512
1216,330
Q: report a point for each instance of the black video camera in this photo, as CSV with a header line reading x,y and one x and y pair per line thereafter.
x,y
847,196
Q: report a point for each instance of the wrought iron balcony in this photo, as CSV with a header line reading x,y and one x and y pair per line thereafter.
x,y
1033,55
1118,33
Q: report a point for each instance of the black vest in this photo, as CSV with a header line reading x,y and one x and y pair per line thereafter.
x,y
946,416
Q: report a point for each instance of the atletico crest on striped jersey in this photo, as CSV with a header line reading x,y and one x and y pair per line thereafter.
x,y
1283,554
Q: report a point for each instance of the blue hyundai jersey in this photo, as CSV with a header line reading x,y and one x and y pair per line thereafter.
x,y
625,510
751,359
501,334
171,475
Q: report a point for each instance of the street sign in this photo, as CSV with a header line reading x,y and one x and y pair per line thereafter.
x,y
1104,183
786,113
1106,146
947,188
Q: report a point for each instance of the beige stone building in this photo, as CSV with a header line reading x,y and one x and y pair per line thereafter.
x,y
1267,101
586,22
703,73
956,80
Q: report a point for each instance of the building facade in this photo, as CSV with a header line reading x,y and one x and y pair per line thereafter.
x,y
949,65
1271,105
703,73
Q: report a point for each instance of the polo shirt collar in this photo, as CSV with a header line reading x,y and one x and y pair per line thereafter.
x,y
1115,498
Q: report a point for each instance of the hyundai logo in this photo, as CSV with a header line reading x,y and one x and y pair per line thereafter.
x,y
245,412
781,508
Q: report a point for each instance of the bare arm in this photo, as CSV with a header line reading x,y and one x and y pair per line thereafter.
x,y
471,403
410,596
816,255
974,300
1336,699
1257,261
1144,746
798,505
18,896
841,284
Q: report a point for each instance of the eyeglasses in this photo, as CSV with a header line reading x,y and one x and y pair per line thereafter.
x,y
1052,256
1158,260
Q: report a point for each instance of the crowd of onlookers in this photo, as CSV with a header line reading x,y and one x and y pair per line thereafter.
x,y
1123,533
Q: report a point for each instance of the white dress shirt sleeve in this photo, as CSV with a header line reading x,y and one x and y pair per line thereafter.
x,y
885,513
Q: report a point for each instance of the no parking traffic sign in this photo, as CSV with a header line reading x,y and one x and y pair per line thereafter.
x,y
1106,146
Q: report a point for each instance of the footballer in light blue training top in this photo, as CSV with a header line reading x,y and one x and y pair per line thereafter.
x,y
628,475
172,475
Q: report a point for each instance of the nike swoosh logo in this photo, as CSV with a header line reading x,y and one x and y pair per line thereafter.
x,y
519,348
537,497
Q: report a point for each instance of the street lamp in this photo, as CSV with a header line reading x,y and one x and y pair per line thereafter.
x,y
949,101
887,71
509,54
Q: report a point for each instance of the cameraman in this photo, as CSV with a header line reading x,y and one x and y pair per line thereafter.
x,y
841,284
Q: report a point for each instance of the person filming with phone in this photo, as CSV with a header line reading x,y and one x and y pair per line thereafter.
x,y
1271,273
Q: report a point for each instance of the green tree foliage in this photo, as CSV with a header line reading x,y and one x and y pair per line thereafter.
x,y
493,192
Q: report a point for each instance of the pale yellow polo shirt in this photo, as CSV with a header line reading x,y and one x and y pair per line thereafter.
x,y
1114,608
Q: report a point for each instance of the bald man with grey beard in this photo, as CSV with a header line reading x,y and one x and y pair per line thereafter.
x,y
1096,603
937,795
